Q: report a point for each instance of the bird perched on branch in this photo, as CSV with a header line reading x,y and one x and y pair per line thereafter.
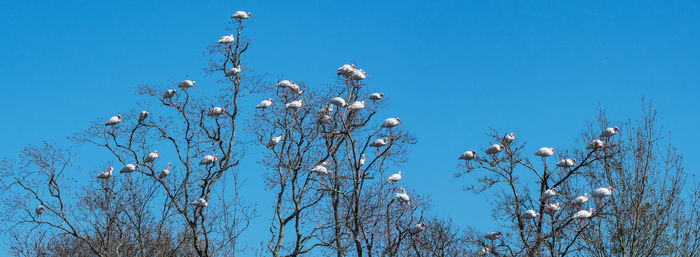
x,y
264,104
114,120
227,39
209,159
185,84
241,15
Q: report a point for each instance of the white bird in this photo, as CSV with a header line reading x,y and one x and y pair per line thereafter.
x,y
468,155
602,192
417,228
216,111
483,251
529,214
391,122
494,149
545,152
552,208
200,203
362,160
294,105
143,115
395,177
209,159
294,87
493,235
185,84
580,200
376,96
549,193
241,15
608,132
233,71
106,173
566,163
165,172
358,74
151,157
227,39
595,144
264,103
379,142
284,84
169,93
346,70
325,118
321,170
338,101
129,168
403,196
274,141
357,105
39,210
583,214
509,138
326,109
114,120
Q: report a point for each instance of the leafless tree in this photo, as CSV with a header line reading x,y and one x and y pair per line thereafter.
x,y
352,209
647,184
143,213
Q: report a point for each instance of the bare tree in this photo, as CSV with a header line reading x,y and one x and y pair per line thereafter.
x,y
646,183
329,174
186,212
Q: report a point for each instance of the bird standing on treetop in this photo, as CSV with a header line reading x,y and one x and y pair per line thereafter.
x,y
185,84
114,120
227,39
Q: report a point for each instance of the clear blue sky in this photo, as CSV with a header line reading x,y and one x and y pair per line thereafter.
x,y
450,69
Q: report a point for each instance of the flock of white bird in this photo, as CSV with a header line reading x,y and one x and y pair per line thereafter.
x,y
550,207
351,72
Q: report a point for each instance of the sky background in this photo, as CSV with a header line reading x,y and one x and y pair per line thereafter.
x,y
450,70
